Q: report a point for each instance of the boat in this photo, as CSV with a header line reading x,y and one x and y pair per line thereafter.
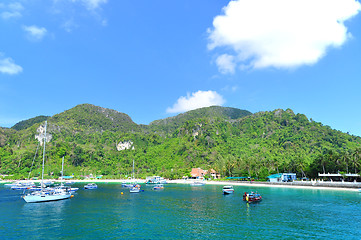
x,y
91,186
128,185
158,187
22,185
227,190
252,197
46,195
194,184
131,183
155,180
135,189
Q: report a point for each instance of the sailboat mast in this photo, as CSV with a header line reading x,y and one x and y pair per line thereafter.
x,y
42,174
133,168
62,169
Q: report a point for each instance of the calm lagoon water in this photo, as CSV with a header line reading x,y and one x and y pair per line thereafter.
x,y
183,212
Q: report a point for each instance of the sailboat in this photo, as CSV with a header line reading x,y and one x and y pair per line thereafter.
x,y
62,187
46,195
136,186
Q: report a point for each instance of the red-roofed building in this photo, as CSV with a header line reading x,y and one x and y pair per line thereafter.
x,y
198,173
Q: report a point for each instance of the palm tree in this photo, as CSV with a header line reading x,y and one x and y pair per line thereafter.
x,y
356,157
345,158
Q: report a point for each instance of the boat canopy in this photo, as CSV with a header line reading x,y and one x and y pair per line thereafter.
x,y
277,175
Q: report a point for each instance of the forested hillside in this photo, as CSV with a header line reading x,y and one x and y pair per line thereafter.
x,y
234,142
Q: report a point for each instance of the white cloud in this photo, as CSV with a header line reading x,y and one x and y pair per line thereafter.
x,y
91,4
280,33
35,32
226,63
7,66
196,100
69,25
230,88
12,10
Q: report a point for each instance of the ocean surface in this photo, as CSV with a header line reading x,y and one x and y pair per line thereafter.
x,y
183,212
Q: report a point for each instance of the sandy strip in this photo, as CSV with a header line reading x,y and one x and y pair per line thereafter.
x,y
260,184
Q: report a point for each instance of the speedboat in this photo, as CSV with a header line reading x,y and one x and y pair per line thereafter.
x,y
66,188
158,187
252,197
91,186
227,190
135,189
197,184
128,185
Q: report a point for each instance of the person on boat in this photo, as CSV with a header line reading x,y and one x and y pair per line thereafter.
x,y
244,195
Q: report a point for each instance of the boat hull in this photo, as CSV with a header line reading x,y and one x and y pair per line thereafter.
x,y
45,197
252,197
196,184
226,192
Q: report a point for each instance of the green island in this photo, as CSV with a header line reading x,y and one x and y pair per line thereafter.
x,y
235,143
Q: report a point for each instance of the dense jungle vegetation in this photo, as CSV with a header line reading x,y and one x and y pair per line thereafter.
x,y
233,142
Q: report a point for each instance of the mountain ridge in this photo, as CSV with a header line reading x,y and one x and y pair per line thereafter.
x,y
234,142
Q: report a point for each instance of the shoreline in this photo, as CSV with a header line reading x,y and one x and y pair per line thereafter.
x,y
343,186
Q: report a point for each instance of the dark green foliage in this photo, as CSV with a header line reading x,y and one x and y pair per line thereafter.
x,y
28,123
231,141
171,124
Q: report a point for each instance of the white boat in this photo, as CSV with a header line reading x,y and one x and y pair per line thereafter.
x,y
20,183
134,190
46,195
227,190
132,184
194,184
91,186
158,187
155,180
21,187
73,189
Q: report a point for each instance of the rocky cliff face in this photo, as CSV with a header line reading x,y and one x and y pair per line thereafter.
x,y
41,135
125,145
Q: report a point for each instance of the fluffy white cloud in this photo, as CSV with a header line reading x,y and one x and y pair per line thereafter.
x,y
280,33
7,66
11,10
196,100
226,63
34,32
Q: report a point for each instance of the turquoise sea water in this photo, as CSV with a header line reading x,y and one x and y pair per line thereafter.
x,y
184,212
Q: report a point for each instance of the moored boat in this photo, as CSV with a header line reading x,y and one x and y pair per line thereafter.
x,y
252,197
155,180
227,190
91,186
158,187
197,184
46,195
135,189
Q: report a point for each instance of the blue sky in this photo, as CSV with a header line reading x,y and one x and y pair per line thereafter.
x,y
156,59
